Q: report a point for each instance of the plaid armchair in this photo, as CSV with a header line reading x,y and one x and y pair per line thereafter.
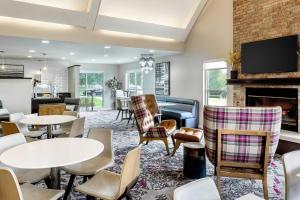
x,y
145,123
248,138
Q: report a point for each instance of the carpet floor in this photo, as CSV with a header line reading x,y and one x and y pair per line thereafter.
x,y
161,174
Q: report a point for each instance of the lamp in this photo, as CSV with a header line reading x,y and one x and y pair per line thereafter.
x,y
2,60
147,62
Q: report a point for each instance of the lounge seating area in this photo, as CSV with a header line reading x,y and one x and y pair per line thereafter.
x,y
149,100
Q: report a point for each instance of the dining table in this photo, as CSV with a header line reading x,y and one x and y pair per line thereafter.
x,y
48,120
53,154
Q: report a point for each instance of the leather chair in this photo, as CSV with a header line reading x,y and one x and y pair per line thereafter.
x,y
204,189
291,166
11,190
93,166
145,123
255,130
186,135
23,175
112,186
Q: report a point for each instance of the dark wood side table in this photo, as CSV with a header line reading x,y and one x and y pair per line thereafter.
x,y
194,161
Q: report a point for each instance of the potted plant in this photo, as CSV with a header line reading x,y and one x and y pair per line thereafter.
x,y
114,85
234,59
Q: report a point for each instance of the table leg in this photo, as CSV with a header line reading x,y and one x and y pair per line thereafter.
x,y
49,132
55,178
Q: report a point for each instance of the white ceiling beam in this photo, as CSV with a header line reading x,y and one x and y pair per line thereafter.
x,y
94,6
42,13
137,27
194,18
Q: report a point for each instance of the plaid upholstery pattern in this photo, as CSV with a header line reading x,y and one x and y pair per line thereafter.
x,y
241,148
144,119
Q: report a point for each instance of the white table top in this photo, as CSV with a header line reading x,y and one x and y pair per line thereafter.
x,y
51,153
48,120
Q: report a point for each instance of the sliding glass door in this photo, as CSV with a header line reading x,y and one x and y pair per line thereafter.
x,y
91,90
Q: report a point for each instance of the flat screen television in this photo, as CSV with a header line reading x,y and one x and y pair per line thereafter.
x,y
270,56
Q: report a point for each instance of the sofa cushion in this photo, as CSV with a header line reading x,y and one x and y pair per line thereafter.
x,y
178,114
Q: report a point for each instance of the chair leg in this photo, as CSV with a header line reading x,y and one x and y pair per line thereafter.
x,y
176,146
173,139
165,140
118,114
89,197
128,196
69,186
265,187
130,117
218,181
48,182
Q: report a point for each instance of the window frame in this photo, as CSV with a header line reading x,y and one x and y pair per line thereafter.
x,y
135,77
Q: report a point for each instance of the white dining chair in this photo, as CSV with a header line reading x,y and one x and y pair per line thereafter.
x,y
204,189
65,128
291,164
91,167
23,128
23,175
11,190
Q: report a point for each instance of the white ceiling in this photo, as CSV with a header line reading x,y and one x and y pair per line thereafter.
x,y
18,48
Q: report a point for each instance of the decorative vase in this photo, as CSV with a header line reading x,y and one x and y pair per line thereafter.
x,y
234,74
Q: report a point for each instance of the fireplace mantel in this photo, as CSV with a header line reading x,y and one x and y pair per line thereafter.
x,y
265,81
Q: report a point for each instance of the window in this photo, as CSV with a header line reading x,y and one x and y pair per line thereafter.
x,y
135,82
215,75
91,89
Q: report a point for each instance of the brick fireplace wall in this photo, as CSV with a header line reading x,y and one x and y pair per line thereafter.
x,y
263,19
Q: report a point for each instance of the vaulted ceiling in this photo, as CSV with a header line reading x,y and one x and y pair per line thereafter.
x,y
156,24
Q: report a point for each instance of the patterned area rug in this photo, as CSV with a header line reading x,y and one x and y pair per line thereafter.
x,y
161,174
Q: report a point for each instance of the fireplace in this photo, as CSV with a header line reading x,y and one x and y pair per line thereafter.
x,y
287,98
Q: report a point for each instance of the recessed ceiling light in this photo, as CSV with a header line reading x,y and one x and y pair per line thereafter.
x,y
93,60
135,57
107,47
29,56
105,55
31,51
45,41
72,53
151,51
45,68
63,58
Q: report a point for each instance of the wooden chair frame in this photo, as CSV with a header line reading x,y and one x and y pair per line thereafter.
x,y
234,169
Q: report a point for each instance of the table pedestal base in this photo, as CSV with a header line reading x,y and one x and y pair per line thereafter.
x,y
55,178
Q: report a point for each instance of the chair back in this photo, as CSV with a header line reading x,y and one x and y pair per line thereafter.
x,y
16,117
9,128
103,135
51,109
9,141
9,186
77,128
120,94
143,116
71,113
151,103
121,104
291,170
131,169
241,148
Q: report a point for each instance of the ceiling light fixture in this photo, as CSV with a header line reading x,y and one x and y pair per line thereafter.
x,y
107,47
72,53
45,62
135,57
45,41
63,58
93,60
151,51
31,51
2,60
147,62
29,56
105,55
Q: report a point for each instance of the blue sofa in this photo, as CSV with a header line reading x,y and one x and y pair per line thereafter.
x,y
185,111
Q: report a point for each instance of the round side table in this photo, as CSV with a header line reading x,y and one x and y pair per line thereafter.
x,y
194,161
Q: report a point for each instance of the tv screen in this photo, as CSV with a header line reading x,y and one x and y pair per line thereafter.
x,y
268,56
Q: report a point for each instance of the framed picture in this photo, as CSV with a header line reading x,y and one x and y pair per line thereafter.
x,y
162,78
11,71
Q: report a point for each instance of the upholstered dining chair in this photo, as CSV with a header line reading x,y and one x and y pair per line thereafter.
x,y
23,128
11,190
291,166
91,167
145,123
204,189
23,175
112,186
241,141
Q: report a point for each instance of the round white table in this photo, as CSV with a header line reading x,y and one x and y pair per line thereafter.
x,y
52,154
48,120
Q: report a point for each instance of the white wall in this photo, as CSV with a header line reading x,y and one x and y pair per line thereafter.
x,y
15,95
109,71
56,72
